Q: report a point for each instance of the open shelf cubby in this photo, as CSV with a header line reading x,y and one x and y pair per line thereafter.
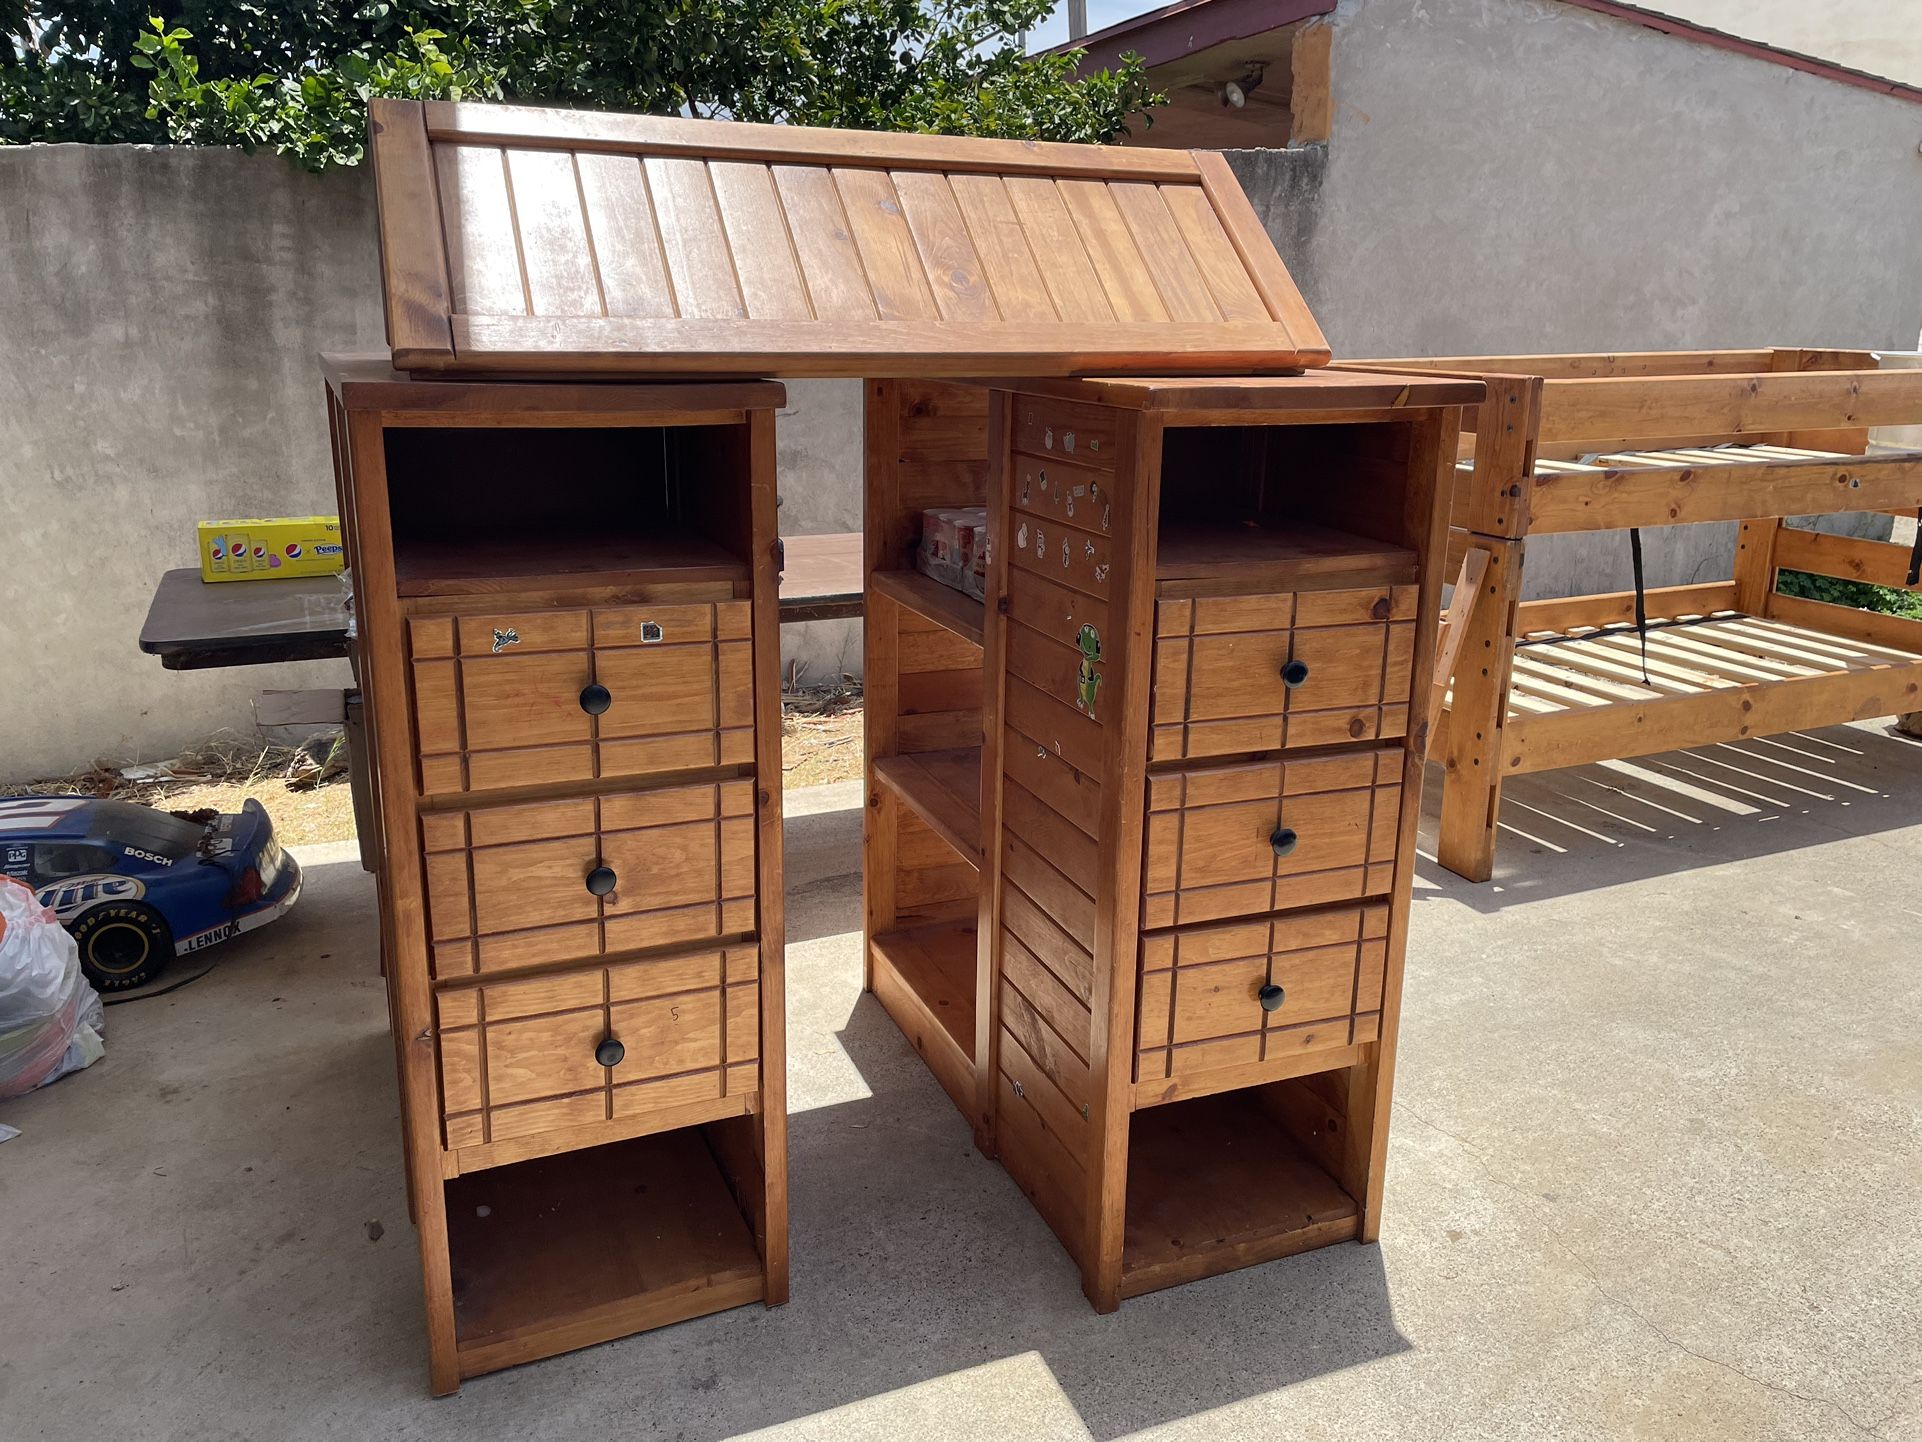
x,y
580,1247
1222,1182
924,706
488,510
1281,507
953,610
943,788
925,977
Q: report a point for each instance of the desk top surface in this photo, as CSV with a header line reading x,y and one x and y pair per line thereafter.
x,y
518,239
193,623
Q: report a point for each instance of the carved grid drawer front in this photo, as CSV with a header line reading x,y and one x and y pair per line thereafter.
x,y
519,1057
523,698
1061,430
546,881
1266,835
1239,674
1254,992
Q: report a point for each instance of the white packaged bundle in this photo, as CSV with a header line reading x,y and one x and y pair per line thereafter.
x,y
51,1021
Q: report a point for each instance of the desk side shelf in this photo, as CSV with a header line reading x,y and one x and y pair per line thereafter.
x,y
927,807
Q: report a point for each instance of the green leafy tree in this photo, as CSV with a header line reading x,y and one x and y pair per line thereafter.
x,y
1862,595
295,75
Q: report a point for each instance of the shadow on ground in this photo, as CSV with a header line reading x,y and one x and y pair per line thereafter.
x,y
1586,827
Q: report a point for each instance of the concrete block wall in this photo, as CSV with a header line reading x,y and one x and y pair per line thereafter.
x,y
1513,176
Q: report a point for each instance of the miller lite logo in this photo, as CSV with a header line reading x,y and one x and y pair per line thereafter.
x,y
67,899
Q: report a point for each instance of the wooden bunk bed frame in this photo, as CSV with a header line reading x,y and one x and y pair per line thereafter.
x,y
1584,443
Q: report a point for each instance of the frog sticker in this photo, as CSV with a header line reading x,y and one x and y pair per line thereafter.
x,y
1087,680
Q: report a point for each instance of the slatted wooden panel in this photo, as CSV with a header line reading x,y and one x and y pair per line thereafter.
x,y
1066,514
1586,698
522,239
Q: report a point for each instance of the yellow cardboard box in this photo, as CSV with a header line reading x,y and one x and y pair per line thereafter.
x,y
270,548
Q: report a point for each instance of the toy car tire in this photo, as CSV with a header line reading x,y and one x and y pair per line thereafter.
x,y
123,944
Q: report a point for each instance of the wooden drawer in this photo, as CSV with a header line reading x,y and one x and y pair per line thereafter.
x,y
1261,836
503,699
1201,1008
520,1057
1242,674
508,886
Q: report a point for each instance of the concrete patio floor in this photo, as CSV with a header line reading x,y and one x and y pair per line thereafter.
x,y
1656,1172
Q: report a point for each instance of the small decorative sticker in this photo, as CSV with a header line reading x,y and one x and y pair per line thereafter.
x,y
1040,544
1021,537
1027,489
1100,574
1044,478
505,638
651,633
1071,503
1107,514
1047,439
1067,442
1087,549
1087,680
1066,553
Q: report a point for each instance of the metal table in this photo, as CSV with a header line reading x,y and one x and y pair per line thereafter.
x,y
193,624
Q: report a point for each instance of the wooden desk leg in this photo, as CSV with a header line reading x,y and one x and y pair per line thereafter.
x,y
1477,716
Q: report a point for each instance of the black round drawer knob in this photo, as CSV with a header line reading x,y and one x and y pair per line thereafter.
x,y
1294,673
610,1052
595,699
1284,840
1271,995
601,880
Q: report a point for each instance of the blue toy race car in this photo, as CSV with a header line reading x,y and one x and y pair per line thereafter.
x,y
136,887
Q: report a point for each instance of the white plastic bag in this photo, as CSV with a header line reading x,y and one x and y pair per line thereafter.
x,y
51,1021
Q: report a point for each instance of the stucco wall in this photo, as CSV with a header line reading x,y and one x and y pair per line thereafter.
x,y
1883,37
1523,175
161,312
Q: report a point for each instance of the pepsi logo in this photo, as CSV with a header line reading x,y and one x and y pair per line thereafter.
x,y
293,551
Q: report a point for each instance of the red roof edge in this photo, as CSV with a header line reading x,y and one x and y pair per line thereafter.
x,y
1181,29
1722,40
